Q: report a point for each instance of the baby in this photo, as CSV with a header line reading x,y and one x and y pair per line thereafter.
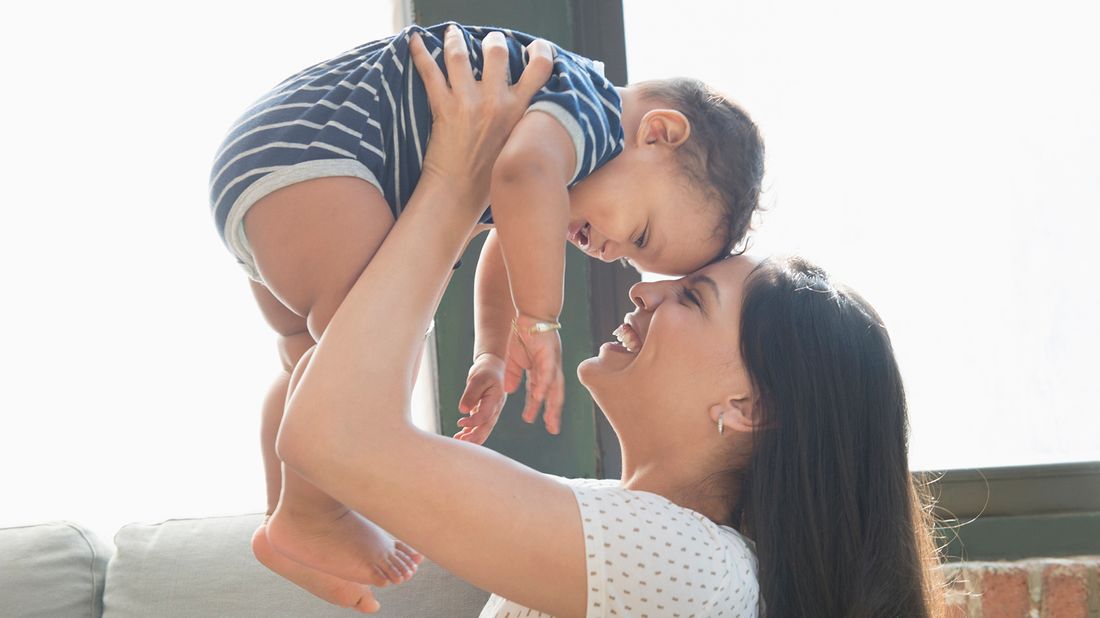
x,y
662,175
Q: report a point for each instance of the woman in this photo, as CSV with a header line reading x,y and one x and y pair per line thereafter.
x,y
750,396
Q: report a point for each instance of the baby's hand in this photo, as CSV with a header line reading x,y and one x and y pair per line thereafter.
x,y
483,399
540,355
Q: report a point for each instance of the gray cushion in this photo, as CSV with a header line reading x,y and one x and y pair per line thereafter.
x,y
53,569
204,567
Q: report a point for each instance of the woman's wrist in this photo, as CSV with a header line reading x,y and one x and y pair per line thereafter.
x,y
462,192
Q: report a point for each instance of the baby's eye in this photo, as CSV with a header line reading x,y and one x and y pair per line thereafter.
x,y
640,241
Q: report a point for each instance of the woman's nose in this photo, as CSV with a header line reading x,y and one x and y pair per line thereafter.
x,y
646,295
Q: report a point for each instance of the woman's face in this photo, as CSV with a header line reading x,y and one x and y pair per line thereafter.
x,y
682,354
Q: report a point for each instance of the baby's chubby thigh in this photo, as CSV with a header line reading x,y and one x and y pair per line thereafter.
x,y
311,240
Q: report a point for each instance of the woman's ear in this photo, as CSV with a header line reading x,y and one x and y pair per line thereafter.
x,y
736,414
666,127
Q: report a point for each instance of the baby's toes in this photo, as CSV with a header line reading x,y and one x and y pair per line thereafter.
x,y
391,575
383,578
411,553
397,569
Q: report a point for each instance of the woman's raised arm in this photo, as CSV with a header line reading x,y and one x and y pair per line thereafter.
x,y
498,524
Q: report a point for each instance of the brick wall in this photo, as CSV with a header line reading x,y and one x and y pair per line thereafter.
x,y
1042,588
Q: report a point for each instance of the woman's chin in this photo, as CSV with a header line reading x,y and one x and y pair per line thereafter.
x,y
612,357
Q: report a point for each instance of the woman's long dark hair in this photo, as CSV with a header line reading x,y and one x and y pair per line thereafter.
x,y
828,496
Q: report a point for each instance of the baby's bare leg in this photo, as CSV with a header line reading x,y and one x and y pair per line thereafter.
x,y
310,241
293,342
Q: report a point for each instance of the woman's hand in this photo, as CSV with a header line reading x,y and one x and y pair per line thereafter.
x,y
471,119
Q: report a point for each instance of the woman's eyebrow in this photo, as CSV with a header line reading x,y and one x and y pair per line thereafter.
x,y
697,279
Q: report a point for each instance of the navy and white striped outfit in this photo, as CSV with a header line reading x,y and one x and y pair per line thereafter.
x,y
365,114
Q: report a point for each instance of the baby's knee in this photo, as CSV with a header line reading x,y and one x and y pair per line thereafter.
x,y
292,347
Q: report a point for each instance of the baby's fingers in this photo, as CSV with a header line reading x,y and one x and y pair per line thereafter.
x,y
487,410
475,388
555,398
513,374
479,434
533,403
549,394
477,427
543,380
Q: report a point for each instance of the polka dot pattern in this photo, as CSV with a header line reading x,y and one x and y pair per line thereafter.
x,y
648,557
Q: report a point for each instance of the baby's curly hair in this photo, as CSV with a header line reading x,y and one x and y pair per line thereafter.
x,y
724,154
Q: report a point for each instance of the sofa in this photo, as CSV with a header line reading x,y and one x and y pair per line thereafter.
x,y
183,567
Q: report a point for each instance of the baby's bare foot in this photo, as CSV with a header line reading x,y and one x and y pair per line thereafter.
x,y
328,587
342,543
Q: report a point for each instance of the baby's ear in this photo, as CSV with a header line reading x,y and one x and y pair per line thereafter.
x,y
666,127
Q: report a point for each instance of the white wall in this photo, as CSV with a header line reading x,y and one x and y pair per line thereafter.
x,y
136,358
943,158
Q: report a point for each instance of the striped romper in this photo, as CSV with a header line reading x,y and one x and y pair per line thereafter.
x,y
365,114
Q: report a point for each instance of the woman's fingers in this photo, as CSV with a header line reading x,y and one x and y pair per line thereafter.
x,y
540,61
494,50
457,58
434,81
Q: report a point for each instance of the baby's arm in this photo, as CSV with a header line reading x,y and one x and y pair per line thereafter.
x,y
493,308
493,312
530,199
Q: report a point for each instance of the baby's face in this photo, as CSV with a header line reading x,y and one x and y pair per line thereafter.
x,y
648,214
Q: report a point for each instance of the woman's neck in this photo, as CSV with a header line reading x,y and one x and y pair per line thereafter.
x,y
678,479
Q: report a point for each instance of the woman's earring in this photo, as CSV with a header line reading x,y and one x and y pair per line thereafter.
x,y
721,426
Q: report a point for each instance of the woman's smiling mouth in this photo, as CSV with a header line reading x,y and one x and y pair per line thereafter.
x,y
628,338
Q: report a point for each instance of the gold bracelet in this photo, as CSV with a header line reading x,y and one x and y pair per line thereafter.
x,y
537,327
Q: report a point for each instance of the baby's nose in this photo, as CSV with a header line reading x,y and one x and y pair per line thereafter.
x,y
609,252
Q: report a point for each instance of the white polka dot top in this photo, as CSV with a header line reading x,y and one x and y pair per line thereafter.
x,y
648,557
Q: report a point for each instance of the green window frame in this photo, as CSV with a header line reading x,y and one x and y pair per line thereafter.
x,y
595,293
1010,513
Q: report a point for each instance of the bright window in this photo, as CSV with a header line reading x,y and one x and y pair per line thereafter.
x,y
944,160
136,359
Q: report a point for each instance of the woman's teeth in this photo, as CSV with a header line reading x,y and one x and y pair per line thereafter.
x,y
582,235
628,338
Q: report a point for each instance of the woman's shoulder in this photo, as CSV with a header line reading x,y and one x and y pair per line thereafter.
x,y
640,545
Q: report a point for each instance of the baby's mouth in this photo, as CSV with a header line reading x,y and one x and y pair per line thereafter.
x,y
582,235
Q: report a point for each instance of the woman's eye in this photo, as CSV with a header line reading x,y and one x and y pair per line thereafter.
x,y
689,295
